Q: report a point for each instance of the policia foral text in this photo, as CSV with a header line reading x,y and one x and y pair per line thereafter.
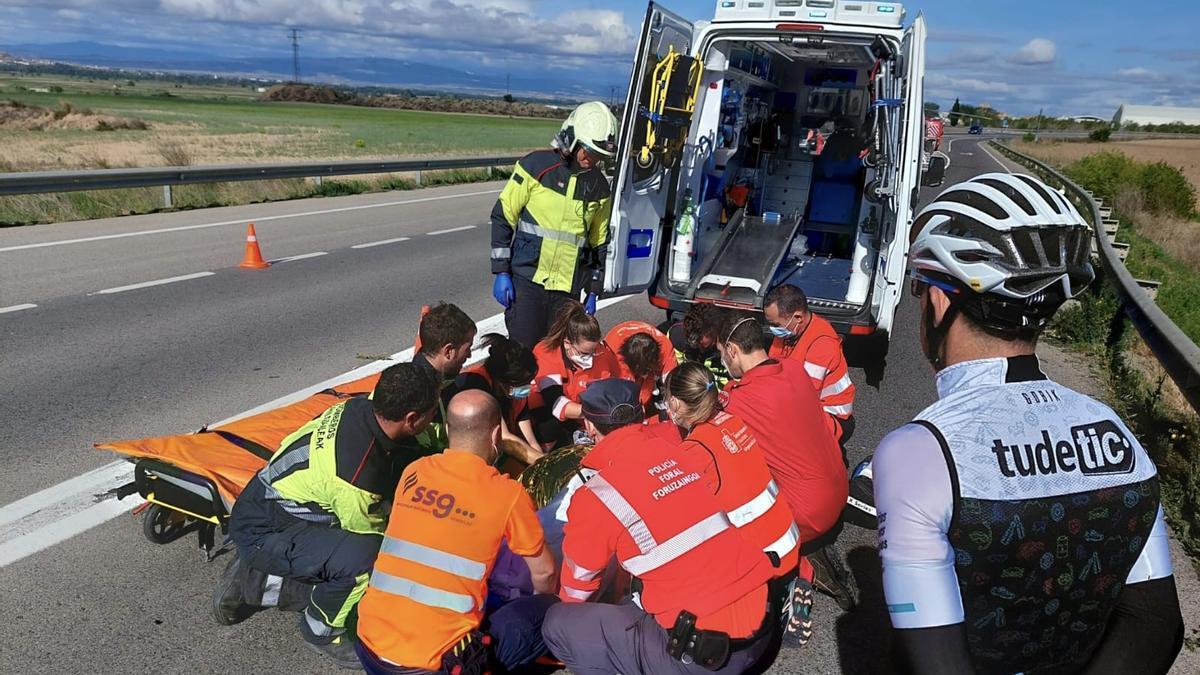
x,y
550,225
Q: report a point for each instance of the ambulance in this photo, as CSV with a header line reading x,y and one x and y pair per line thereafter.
x,y
778,143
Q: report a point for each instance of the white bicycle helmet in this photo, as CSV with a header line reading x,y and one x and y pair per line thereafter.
x,y
1007,248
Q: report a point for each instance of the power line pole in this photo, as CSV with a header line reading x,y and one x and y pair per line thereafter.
x,y
295,36
612,96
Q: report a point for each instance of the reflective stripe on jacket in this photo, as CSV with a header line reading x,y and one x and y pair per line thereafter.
x,y
429,585
336,470
548,218
744,486
652,507
819,348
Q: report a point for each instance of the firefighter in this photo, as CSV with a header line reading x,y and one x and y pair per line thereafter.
x,y
550,225
703,597
315,514
809,339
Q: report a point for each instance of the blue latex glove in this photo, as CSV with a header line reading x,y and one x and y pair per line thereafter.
x,y
502,289
589,305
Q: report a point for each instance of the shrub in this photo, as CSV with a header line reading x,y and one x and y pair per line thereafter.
x,y
1029,137
1103,172
360,143
1167,190
1100,135
174,153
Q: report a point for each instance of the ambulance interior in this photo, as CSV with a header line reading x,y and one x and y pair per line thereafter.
x,y
780,164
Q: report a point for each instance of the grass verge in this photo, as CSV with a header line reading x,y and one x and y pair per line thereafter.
x,y
91,204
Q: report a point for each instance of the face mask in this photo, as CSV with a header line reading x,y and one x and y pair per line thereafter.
x,y
782,333
583,361
522,391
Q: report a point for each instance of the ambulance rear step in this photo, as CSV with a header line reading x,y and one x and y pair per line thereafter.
x,y
744,261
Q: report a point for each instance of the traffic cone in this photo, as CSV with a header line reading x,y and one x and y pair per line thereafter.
x,y
253,259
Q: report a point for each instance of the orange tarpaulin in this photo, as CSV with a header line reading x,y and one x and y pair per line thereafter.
x,y
232,453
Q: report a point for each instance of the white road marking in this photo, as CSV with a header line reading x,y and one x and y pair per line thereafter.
x,y
302,256
243,221
60,512
453,229
16,308
156,282
381,243
995,159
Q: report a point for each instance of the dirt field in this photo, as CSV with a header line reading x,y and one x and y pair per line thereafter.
x,y
1180,153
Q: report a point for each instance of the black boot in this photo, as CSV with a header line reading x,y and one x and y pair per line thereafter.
x,y
229,604
339,648
832,578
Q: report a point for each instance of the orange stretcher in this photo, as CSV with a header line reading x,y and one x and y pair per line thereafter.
x,y
190,481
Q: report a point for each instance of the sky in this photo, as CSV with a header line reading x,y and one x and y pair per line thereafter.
x,y
1068,57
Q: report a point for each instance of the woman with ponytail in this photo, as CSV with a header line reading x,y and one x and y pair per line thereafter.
x,y
569,358
737,467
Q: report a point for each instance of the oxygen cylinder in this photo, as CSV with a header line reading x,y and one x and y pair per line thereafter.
x,y
685,242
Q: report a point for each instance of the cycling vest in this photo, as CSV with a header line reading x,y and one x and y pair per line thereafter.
x,y
1054,499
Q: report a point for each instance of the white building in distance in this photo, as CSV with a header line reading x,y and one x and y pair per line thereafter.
x,y
1152,114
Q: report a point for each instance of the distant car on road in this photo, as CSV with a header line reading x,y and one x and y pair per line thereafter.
x,y
976,128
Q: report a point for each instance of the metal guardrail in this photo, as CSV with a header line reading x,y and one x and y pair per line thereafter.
x,y
35,182
1179,356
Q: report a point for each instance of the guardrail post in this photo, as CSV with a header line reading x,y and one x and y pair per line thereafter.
x,y
418,176
166,196
319,180
489,172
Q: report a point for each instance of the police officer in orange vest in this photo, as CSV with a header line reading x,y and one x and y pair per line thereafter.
x,y
424,607
703,603
811,340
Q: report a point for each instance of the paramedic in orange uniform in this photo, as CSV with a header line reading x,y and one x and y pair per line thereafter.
x,y
507,374
646,356
734,462
569,359
424,607
651,507
811,341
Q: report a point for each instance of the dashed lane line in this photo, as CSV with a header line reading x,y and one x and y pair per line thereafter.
x,y
156,282
372,244
302,256
16,308
464,228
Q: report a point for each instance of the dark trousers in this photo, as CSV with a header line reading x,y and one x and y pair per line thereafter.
x,y
335,562
515,628
533,310
597,639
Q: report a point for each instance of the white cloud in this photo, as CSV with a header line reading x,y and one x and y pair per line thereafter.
x,y
500,27
1139,74
1036,52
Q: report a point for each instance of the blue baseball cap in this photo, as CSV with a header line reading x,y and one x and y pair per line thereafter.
x,y
613,401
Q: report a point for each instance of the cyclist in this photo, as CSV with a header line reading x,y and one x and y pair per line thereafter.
x,y
1020,526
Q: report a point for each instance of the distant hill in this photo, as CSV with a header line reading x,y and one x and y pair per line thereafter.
x,y
377,71
307,93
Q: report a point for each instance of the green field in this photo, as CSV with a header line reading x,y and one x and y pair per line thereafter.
x,y
221,124
227,124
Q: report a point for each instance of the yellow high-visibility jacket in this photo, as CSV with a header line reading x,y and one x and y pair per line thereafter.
x,y
550,225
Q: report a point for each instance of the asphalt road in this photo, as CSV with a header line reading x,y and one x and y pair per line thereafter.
x,y
82,367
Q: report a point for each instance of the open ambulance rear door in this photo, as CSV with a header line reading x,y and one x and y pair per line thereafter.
x,y
893,253
645,182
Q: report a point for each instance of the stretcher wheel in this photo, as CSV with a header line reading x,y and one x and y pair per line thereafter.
x,y
162,525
